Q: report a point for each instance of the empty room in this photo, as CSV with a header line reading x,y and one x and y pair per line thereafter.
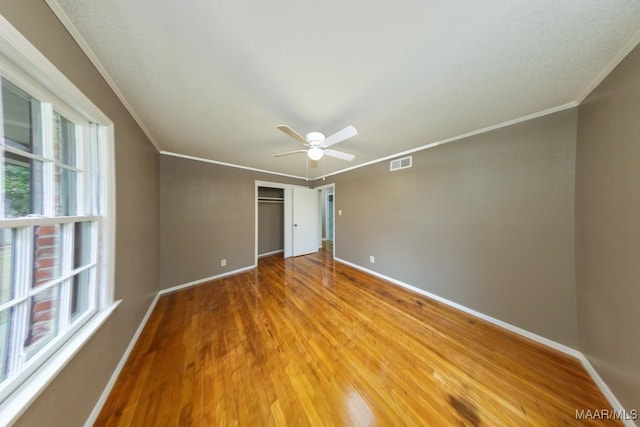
x,y
319,213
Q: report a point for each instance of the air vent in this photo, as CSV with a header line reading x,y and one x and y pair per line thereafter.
x,y
398,164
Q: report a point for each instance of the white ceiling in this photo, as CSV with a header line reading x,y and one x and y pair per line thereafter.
x,y
212,79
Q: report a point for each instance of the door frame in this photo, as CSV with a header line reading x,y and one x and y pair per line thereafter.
x,y
335,238
288,215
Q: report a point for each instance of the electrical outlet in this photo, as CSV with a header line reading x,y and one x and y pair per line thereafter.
x,y
339,212
223,262
372,259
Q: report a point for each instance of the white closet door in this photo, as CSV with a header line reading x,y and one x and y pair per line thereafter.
x,y
305,221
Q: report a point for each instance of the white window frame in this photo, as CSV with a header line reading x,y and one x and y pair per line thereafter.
x,y
29,69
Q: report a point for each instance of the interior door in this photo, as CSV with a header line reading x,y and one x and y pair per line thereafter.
x,y
305,221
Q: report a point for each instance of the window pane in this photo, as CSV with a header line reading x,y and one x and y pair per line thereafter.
x,y
46,251
5,341
22,186
21,117
64,140
66,192
80,293
82,244
6,264
43,320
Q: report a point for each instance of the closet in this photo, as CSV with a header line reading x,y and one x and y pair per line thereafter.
x,y
270,220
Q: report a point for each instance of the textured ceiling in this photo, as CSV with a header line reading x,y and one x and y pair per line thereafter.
x,y
212,79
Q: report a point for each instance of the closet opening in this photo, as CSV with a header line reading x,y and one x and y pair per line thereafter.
x,y
270,221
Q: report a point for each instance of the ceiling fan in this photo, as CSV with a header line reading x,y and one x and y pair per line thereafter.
x,y
318,144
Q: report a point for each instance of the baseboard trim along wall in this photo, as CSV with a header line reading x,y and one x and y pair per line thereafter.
x,y
604,388
125,356
205,280
538,338
105,393
279,251
615,403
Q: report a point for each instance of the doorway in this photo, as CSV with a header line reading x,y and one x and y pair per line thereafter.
x,y
270,221
328,213
327,237
300,218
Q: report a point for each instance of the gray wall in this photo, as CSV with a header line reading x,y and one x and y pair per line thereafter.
x,y
72,395
608,229
487,222
207,214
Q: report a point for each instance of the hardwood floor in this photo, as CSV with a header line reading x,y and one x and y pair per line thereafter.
x,y
304,341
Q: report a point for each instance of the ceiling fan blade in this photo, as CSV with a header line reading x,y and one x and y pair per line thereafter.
x,y
341,135
339,155
292,133
313,163
288,153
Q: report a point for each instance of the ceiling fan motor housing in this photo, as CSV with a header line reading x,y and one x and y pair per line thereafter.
x,y
315,138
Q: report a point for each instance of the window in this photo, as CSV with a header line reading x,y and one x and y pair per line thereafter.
x,y
55,227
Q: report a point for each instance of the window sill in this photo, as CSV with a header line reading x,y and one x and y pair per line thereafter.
x,y
18,402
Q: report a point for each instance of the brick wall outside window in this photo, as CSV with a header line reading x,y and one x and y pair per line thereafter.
x,y
46,268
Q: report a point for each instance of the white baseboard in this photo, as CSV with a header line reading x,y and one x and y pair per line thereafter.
x,y
604,388
615,403
508,326
125,356
205,280
279,251
107,390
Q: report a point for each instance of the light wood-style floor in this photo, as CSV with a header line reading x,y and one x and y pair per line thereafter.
x,y
306,341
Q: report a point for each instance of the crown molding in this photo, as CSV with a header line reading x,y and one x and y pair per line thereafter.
x,y
231,165
75,34
532,116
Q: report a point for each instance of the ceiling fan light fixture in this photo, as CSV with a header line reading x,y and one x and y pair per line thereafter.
x,y
315,153
318,145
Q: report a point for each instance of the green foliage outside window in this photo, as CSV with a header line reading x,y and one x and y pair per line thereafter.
x,y
17,185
